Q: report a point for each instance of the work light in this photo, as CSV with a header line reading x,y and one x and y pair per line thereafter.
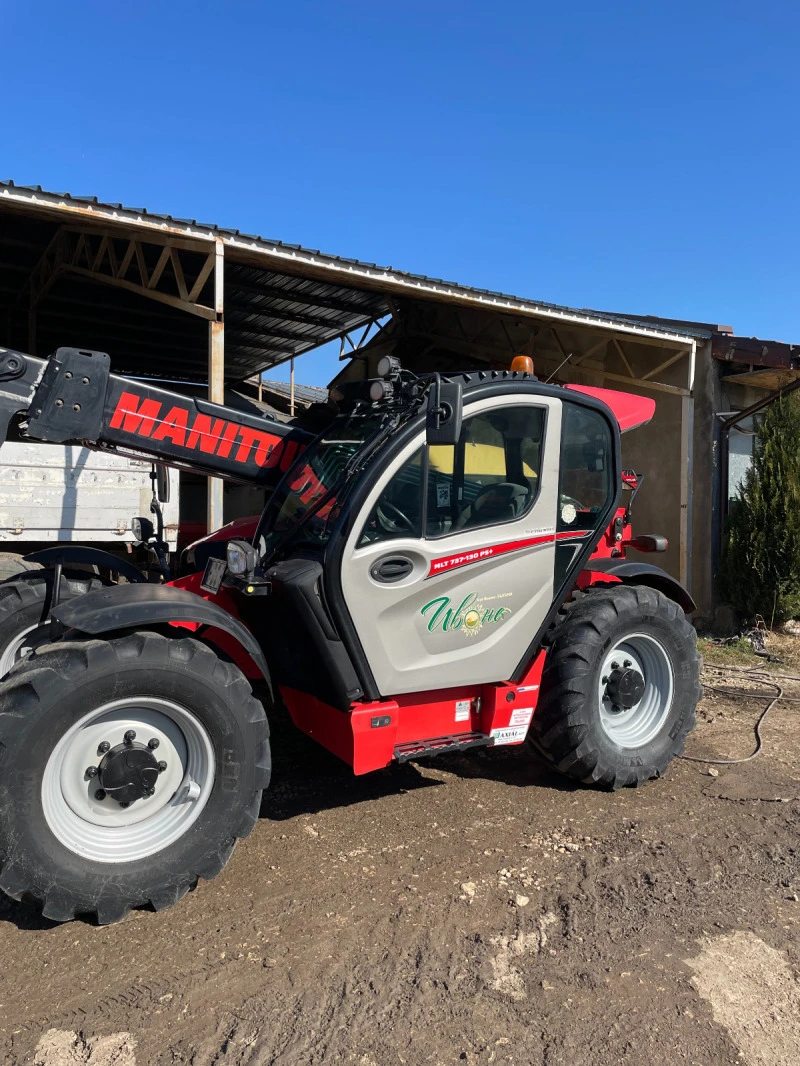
x,y
241,557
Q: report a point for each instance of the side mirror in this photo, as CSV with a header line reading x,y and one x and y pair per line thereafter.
x,y
443,412
162,483
142,529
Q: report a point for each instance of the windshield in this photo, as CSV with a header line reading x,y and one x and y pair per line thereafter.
x,y
319,470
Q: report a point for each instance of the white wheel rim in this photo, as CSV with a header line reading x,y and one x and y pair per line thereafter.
x,y
23,644
636,726
101,829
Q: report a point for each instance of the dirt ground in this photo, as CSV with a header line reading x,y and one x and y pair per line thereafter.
x,y
473,909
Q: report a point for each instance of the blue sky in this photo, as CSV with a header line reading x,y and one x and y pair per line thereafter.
x,y
622,156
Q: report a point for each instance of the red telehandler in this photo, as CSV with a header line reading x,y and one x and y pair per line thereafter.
x,y
442,565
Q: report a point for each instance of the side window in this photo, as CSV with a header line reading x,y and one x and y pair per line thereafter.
x,y
490,476
585,481
398,512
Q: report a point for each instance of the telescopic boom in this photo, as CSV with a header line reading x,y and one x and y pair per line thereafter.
x,y
73,398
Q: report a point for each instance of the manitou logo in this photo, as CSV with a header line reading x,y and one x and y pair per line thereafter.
x,y
211,436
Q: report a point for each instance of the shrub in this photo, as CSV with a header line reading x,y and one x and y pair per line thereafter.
x,y
760,566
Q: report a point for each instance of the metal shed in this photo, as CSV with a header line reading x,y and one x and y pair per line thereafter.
x,y
180,299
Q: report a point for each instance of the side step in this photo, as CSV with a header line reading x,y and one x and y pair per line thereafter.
x,y
418,749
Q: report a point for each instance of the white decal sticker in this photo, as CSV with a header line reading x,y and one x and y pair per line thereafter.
x,y
568,513
443,494
462,710
527,688
521,716
512,735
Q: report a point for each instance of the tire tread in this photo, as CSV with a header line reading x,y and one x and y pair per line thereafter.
x,y
561,726
44,674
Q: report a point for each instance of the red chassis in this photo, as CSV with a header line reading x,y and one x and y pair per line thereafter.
x,y
374,734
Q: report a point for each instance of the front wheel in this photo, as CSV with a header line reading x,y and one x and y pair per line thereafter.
x,y
25,607
128,768
619,689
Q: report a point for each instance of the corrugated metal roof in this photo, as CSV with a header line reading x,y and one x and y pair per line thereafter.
x,y
270,316
345,271
303,393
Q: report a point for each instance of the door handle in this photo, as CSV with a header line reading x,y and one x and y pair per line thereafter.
x,y
391,568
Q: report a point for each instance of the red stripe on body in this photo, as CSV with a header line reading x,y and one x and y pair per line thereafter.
x,y
454,562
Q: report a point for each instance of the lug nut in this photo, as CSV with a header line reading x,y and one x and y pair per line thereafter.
x,y
100,794
124,804
153,744
615,666
103,747
605,680
150,792
130,736
91,771
162,766
627,663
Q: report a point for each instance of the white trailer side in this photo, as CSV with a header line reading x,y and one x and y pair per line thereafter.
x,y
51,494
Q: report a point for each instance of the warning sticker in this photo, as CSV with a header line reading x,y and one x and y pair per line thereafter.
x,y
443,494
511,735
521,716
462,710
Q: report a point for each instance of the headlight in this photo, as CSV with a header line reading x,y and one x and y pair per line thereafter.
x,y
388,366
380,390
241,557
142,530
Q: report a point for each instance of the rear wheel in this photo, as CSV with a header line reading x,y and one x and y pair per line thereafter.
x,y
619,689
128,768
24,607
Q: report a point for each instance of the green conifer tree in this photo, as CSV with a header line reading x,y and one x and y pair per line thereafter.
x,y
760,567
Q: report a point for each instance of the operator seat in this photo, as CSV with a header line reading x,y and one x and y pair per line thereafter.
x,y
497,503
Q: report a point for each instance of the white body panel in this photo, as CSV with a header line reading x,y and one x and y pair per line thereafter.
x,y
405,652
68,493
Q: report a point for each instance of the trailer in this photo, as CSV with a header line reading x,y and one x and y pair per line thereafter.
x,y
71,494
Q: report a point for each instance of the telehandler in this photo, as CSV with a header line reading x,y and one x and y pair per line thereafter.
x,y
442,565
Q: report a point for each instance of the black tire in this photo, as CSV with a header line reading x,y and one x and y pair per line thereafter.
x,y
567,729
11,565
25,602
41,701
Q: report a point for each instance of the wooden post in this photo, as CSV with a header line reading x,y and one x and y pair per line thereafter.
x,y
687,441
687,472
216,377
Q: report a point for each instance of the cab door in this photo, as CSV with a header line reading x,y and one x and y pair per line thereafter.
x,y
449,572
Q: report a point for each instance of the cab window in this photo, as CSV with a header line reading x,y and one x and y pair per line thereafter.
x,y
585,480
491,476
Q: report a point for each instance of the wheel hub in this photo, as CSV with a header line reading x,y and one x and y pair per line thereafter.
x,y
635,689
127,779
625,687
128,772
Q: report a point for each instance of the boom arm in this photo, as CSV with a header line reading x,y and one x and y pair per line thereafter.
x,y
73,398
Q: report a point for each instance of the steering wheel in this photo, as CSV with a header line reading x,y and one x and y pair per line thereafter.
x,y
393,519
